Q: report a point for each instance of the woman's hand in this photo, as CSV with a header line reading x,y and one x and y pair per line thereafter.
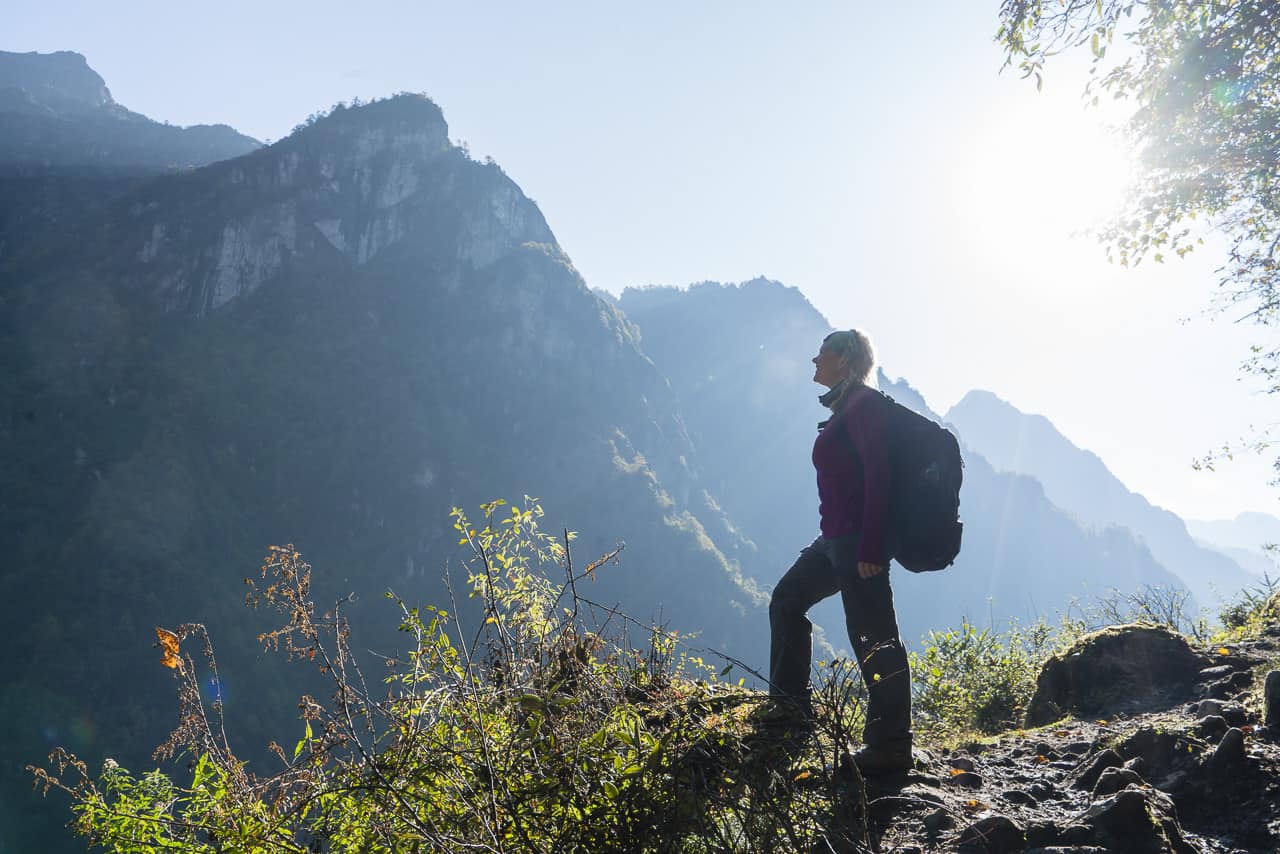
x,y
867,569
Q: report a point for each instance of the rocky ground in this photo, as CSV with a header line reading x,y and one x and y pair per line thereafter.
x,y
1148,745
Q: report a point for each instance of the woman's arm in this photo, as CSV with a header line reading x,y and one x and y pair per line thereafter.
x,y
867,421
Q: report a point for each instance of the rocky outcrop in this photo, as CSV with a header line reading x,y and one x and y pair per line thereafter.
x,y
59,82
1120,668
1171,779
346,189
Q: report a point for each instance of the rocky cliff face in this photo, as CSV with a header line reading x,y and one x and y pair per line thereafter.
x,y
348,187
51,83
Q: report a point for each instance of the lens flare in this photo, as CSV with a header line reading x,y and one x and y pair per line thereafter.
x,y
82,730
215,690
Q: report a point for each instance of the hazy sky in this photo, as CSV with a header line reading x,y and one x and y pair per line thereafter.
x,y
869,154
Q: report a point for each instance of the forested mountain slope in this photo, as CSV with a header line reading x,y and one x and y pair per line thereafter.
x,y
331,341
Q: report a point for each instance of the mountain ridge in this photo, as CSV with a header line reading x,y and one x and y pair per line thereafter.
x,y
56,113
1078,481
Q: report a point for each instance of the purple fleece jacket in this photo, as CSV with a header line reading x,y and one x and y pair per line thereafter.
x,y
853,489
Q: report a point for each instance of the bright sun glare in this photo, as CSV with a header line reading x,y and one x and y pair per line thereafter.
x,y
1031,184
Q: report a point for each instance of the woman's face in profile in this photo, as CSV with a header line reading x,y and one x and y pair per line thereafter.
x,y
829,369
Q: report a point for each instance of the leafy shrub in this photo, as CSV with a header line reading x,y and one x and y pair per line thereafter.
x,y
527,731
1247,614
972,680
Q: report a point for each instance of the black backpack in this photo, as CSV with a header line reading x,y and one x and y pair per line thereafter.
x,y
925,472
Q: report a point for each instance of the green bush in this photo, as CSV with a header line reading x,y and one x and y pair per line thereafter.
x,y
1247,614
977,681
523,729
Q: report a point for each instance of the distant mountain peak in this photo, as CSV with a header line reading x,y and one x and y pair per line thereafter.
x,y
57,116
346,187
61,80
758,302
1249,531
1080,482
905,393
407,122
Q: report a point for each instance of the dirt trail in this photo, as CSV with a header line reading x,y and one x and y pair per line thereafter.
x,y
1195,771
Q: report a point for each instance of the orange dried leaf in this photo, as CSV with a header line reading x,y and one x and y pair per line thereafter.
x,y
972,805
956,772
803,775
1222,650
1041,758
169,656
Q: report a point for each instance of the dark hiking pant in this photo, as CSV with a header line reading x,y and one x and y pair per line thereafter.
x,y
824,568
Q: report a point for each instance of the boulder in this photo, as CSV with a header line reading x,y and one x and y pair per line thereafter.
x,y
1137,821
1087,774
1230,711
1019,797
965,779
1042,833
938,820
1271,700
1229,756
1042,791
1129,668
1211,727
1159,749
1115,779
995,834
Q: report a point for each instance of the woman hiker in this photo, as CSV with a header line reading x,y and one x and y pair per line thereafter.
x,y
851,558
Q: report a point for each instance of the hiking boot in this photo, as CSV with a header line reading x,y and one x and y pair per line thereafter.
x,y
782,723
893,757
783,713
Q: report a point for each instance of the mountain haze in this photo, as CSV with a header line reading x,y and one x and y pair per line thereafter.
x,y
738,357
1080,483
1248,539
1246,531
